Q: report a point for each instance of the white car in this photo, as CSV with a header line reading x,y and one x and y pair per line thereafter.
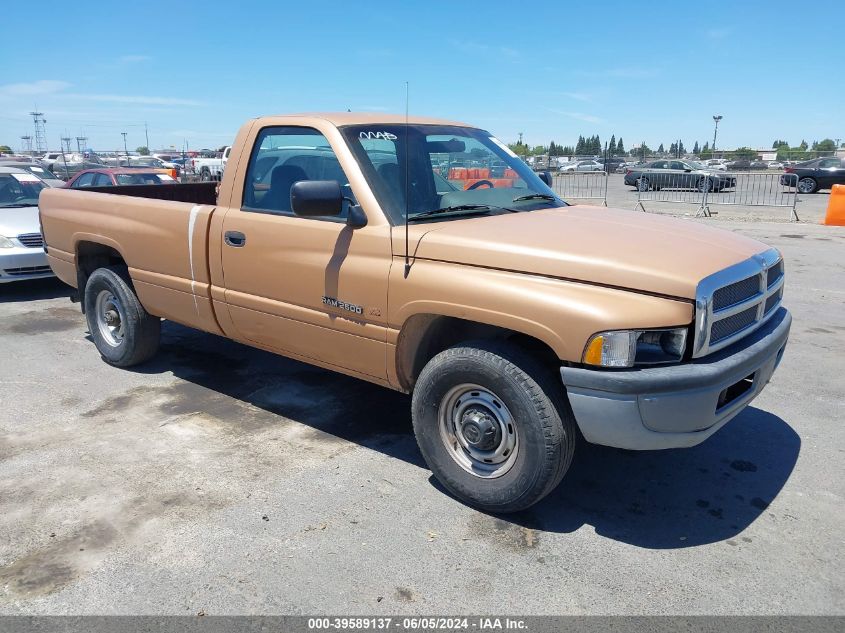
x,y
776,165
46,176
211,168
716,164
22,253
584,165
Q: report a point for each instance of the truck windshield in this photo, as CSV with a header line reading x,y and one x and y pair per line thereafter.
x,y
448,167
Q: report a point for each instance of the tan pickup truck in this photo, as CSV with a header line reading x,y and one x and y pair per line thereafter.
x,y
424,256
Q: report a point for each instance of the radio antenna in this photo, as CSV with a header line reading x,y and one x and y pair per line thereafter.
x,y
407,160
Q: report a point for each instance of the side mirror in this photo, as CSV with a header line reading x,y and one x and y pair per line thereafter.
x,y
546,177
314,198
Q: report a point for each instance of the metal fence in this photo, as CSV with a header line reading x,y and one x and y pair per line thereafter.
x,y
582,185
706,189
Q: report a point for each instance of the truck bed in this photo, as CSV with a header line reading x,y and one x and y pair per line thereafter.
x,y
161,230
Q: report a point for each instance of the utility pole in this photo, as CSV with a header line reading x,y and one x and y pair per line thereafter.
x,y
716,119
80,143
27,144
125,149
147,136
66,143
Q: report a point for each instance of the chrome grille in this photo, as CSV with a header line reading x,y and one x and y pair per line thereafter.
x,y
732,303
774,274
732,324
31,240
736,293
26,270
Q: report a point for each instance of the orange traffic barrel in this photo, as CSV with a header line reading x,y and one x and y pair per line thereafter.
x,y
836,207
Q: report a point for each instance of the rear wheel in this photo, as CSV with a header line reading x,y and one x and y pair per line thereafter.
x,y
642,184
807,185
493,425
124,333
205,174
705,184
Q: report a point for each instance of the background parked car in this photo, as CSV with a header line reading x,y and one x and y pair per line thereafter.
x,y
813,175
742,164
584,165
110,177
46,176
677,174
22,253
759,164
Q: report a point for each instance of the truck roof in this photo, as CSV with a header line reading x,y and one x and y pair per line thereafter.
x,y
357,118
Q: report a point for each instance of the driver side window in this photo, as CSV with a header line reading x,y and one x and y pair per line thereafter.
x,y
283,156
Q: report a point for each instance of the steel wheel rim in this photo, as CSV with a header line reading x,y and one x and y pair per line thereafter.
x,y
467,414
642,184
110,317
704,185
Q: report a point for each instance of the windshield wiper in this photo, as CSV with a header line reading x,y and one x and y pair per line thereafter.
x,y
17,205
481,208
535,196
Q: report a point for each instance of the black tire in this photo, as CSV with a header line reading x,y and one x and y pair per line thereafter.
x,y
205,174
140,332
642,184
534,398
706,184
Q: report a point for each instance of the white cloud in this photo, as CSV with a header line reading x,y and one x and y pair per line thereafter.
x,y
41,87
718,34
589,118
136,99
134,59
578,96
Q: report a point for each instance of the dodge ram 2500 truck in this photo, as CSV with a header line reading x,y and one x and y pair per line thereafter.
x,y
515,320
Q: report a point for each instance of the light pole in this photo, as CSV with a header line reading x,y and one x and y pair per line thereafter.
x,y
716,119
125,149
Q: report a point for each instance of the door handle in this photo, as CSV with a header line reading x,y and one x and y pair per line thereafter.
x,y
234,238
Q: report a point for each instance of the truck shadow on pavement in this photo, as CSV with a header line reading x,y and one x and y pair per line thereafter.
x,y
657,500
674,498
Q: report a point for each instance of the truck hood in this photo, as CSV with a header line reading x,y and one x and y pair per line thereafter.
x,y
612,247
18,221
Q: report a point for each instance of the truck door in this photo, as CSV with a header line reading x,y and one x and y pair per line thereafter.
x,y
308,287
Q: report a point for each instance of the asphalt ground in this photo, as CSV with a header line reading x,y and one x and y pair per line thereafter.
x,y
220,479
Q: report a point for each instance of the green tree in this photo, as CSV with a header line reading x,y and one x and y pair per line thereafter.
x,y
779,143
611,148
567,150
825,145
696,149
745,152
579,146
620,147
143,150
5,149
660,149
804,145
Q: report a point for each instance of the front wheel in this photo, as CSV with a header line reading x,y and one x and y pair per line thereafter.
x,y
642,184
205,174
705,184
125,334
493,425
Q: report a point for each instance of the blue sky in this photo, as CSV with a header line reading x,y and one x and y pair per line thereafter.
x,y
652,71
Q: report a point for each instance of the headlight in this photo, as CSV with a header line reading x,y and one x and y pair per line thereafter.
x,y
626,348
5,242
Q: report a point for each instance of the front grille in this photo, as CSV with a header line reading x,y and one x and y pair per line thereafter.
x,y
736,293
774,274
733,302
27,270
31,240
772,301
733,324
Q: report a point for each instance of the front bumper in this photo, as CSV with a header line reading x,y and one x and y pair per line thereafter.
x,y
20,264
678,406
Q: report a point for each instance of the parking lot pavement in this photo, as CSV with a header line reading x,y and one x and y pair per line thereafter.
x,y
222,479
811,207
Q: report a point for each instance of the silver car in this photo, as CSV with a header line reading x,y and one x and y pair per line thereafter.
x,y
22,253
46,176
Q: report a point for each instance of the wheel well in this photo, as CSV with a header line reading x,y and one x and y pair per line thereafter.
x,y
423,336
89,257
